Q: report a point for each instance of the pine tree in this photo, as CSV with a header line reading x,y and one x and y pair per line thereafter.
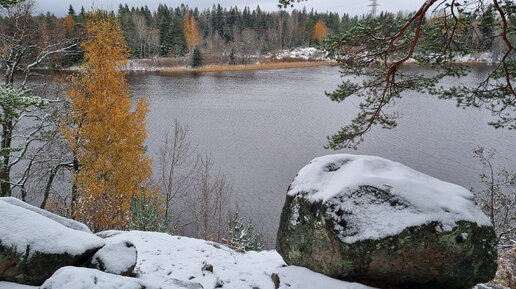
x,y
487,27
196,57
165,41
177,35
14,103
8,3
105,134
146,215
71,11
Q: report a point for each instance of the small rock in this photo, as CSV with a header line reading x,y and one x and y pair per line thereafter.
x,y
207,267
86,278
219,283
276,280
118,258
185,285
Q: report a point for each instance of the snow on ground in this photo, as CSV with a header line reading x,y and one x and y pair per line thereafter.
x,y
10,285
484,57
418,198
61,220
138,65
30,230
162,258
306,53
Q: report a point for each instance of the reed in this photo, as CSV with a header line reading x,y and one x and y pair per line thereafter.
x,y
260,66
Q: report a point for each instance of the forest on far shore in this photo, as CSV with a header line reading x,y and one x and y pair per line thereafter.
x,y
224,35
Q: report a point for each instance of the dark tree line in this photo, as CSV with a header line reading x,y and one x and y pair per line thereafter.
x,y
167,31
163,32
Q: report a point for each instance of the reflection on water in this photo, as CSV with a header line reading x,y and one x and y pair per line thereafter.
x,y
262,127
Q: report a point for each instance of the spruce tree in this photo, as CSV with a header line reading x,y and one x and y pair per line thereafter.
x,y
196,57
146,215
242,236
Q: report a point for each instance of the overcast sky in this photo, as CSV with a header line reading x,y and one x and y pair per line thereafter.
x,y
353,7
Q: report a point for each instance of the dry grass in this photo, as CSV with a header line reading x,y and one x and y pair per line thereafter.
x,y
261,66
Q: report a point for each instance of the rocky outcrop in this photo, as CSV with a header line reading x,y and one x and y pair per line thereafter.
x,y
362,217
117,258
84,278
33,245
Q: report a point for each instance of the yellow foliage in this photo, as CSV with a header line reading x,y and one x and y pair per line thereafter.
x,y
320,31
68,23
191,31
105,134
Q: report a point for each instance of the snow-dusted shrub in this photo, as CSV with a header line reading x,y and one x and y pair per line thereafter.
x,y
498,197
242,236
147,216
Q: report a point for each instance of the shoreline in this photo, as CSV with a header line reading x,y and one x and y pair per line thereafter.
x,y
133,67
259,66
238,67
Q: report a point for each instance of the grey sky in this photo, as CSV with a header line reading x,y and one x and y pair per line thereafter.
x,y
353,7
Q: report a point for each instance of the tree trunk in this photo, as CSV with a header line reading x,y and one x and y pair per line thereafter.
x,y
5,185
75,194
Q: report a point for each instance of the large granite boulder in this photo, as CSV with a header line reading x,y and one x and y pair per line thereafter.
x,y
35,243
361,217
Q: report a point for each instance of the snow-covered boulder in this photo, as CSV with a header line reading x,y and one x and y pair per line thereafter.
x,y
364,217
85,278
34,244
116,258
72,224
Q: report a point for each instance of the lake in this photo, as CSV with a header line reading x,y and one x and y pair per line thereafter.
x,y
262,127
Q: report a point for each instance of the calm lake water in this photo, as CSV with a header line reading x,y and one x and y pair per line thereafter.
x,y
262,127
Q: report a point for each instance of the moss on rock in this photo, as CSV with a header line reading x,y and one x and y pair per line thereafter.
x,y
34,269
425,256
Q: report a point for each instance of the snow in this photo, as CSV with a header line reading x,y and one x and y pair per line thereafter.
x,y
418,198
61,220
10,285
163,258
116,258
300,277
136,65
25,229
483,57
85,278
295,215
306,53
